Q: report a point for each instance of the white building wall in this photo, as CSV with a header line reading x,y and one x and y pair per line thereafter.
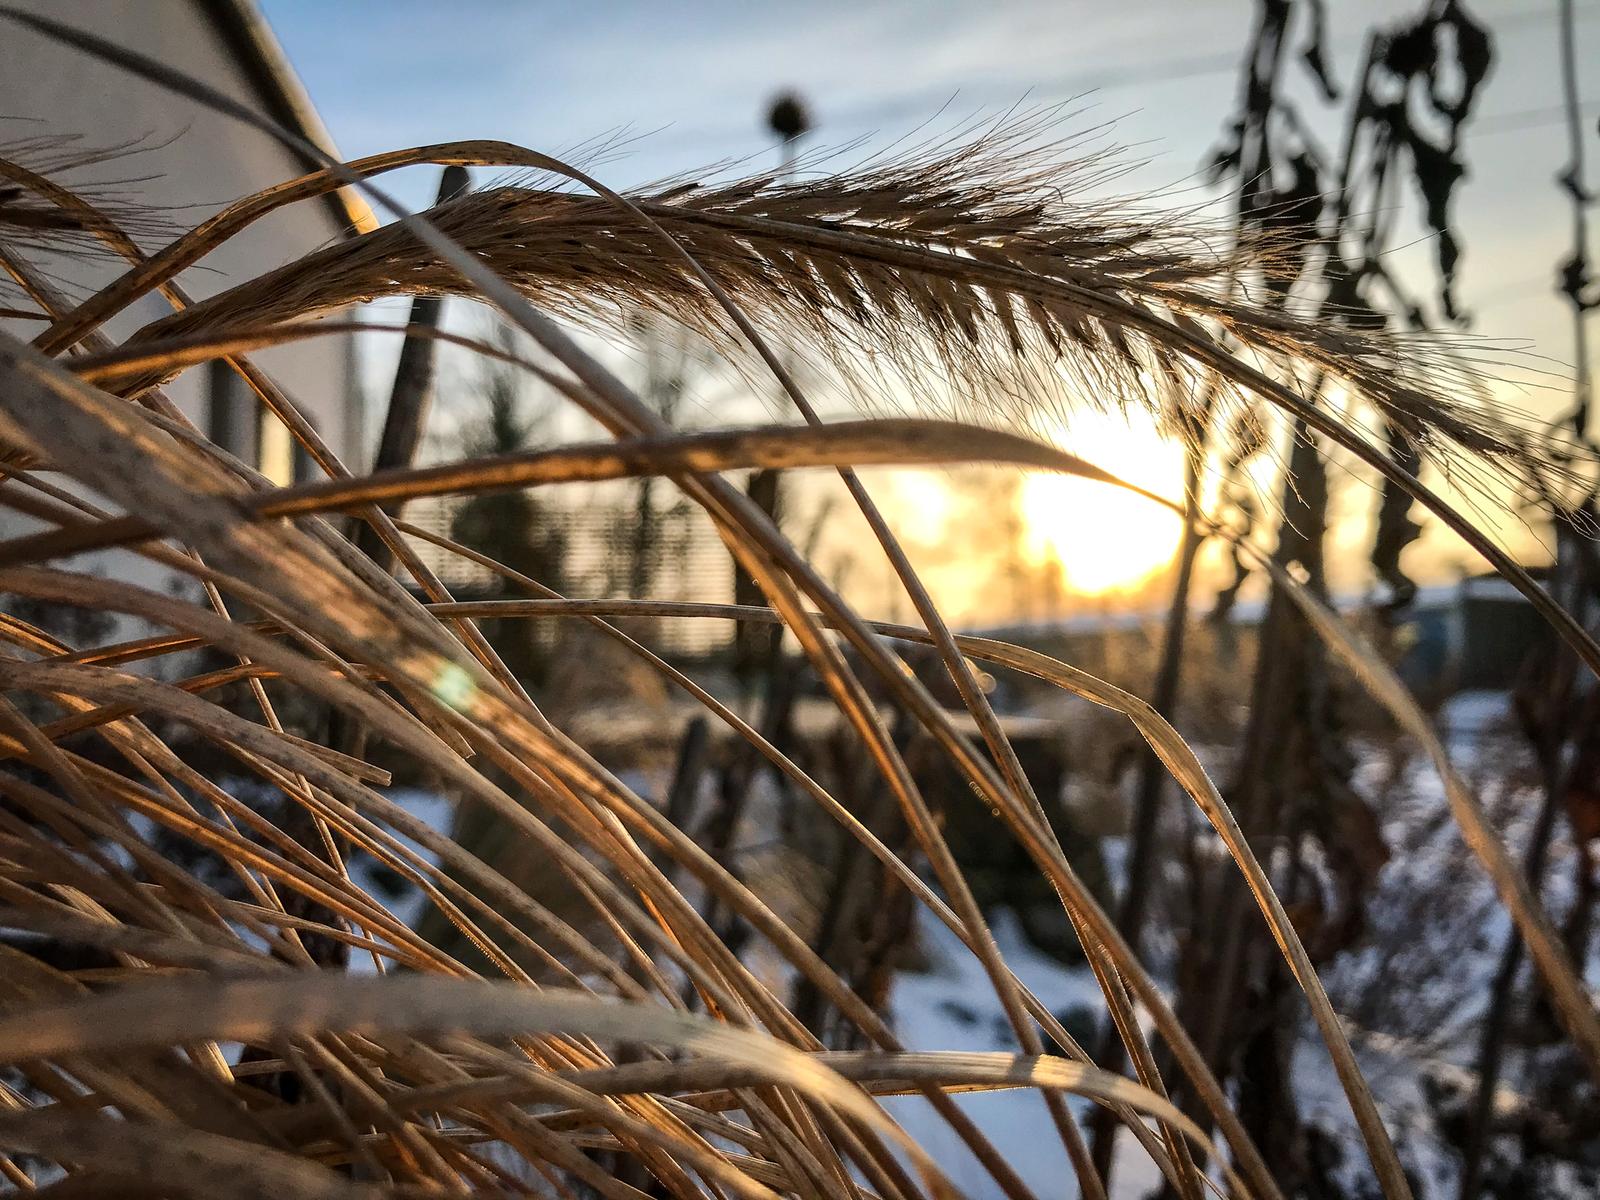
x,y
196,162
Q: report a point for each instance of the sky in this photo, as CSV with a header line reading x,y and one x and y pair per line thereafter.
x,y
685,85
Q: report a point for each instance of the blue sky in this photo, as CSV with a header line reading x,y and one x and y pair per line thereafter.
x,y
555,74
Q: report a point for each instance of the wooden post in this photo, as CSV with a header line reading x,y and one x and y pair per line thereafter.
x,y
413,385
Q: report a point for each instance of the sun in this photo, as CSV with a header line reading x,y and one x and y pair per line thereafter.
x,y
1105,539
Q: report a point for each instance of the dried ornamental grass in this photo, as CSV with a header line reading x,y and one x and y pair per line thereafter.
x,y
974,269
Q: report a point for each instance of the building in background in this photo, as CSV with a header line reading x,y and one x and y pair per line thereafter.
x,y
178,163
139,150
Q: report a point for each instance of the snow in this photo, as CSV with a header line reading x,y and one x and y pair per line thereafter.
x,y
953,1007
1467,717
436,812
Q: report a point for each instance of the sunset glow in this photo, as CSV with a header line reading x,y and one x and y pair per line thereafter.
x,y
1105,539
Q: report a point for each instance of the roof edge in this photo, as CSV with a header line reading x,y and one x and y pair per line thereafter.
x,y
256,49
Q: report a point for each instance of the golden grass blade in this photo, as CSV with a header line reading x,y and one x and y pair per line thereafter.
x,y
168,1159
161,267
905,442
955,1072
167,1014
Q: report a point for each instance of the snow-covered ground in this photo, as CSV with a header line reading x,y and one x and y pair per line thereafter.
x,y
406,902
952,1006
1431,894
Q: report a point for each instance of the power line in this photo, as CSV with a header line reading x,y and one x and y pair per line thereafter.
x,y
1067,86
1527,118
